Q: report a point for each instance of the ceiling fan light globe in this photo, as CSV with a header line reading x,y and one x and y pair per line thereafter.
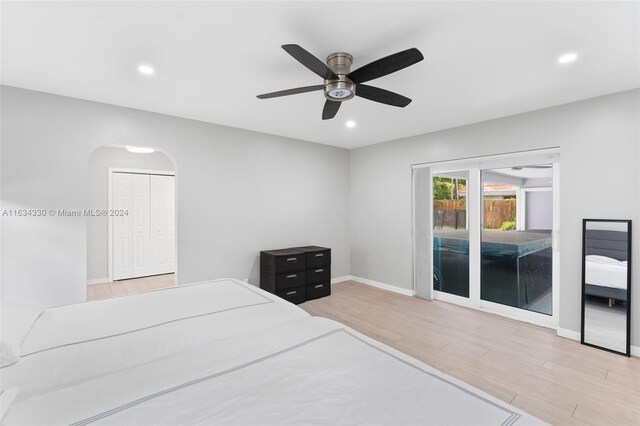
x,y
340,90
339,93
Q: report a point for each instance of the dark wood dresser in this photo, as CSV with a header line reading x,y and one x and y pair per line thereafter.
x,y
296,274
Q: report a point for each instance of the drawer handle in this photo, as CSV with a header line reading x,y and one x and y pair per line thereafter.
x,y
319,270
320,255
292,259
291,293
319,286
292,276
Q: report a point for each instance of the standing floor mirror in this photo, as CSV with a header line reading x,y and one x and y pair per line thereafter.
x,y
606,284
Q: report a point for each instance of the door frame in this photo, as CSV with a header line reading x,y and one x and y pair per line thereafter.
x,y
110,172
474,208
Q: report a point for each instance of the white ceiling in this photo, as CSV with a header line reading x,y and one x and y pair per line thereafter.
x,y
483,59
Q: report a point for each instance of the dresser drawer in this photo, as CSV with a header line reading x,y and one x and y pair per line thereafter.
x,y
317,275
293,295
316,260
290,263
315,291
289,280
316,256
281,261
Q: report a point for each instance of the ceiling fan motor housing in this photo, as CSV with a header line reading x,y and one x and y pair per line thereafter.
x,y
342,89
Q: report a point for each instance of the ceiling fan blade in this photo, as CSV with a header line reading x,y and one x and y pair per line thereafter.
x,y
310,61
330,109
290,91
386,65
380,95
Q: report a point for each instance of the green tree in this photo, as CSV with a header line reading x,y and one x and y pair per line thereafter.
x,y
441,188
444,188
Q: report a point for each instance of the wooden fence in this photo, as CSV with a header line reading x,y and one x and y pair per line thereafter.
x,y
452,213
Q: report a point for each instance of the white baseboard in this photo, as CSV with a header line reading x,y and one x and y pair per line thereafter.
x,y
569,334
337,280
384,286
575,335
98,281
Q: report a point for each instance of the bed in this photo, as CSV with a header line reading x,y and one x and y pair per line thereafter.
x,y
225,352
605,265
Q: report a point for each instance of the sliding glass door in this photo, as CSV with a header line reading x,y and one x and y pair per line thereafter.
x,y
450,233
517,212
492,228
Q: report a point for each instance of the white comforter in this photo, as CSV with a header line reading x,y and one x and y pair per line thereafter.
x,y
602,273
72,343
302,370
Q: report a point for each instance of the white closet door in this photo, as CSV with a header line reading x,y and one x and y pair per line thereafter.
x,y
140,225
163,224
122,256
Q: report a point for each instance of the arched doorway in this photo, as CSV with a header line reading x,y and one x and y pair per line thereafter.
x,y
131,228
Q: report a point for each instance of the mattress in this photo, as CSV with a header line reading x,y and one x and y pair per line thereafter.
x,y
604,273
248,358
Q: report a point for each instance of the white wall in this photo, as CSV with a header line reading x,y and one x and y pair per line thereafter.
x,y
238,192
538,210
100,161
599,143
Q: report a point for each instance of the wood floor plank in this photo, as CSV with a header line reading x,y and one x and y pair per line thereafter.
x,y
512,358
117,289
631,379
546,410
569,368
91,292
103,291
596,416
555,379
132,286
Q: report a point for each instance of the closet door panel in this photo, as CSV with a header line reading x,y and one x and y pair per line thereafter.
x,y
162,224
140,225
171,223
122,230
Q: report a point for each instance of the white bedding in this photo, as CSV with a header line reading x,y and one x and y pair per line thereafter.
x,y
309,371
246,358
128,331
605,274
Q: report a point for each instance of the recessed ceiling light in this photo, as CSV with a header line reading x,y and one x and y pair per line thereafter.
x,y
351,124
146,69
567,58
140,149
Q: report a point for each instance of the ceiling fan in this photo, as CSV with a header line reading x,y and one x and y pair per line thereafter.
x,y
341,84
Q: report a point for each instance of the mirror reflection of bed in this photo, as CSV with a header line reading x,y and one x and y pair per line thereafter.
x,y
606,280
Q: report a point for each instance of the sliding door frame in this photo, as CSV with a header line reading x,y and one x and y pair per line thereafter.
x,y
474,211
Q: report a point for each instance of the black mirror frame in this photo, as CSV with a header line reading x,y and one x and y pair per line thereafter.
x,y
628,334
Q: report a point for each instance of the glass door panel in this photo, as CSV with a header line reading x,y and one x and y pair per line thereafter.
x,y
450,233
516,245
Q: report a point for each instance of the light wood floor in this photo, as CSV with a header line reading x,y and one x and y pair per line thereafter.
x,y
135,285
555,379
